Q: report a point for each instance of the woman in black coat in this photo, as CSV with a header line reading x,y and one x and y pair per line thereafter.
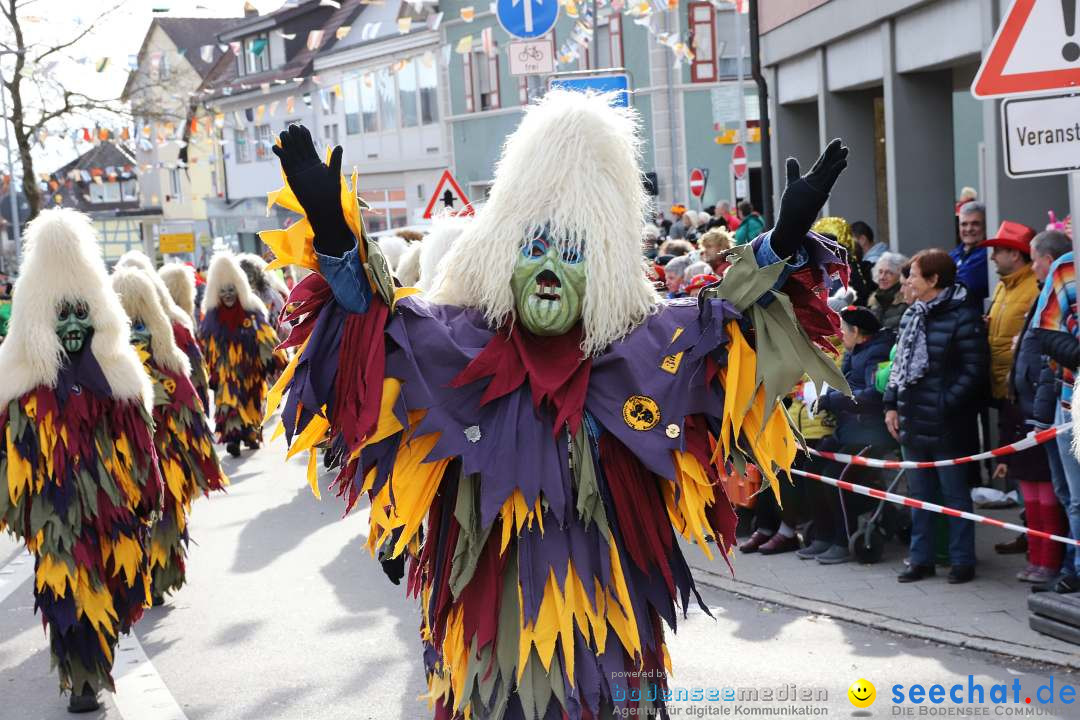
x,y
938,384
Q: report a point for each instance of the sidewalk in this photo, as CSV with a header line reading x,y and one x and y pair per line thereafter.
x,y
989,613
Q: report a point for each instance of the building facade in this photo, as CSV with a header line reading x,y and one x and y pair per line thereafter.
x,y
891,78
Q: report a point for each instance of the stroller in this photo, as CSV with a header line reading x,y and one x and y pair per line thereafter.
x,y
876,525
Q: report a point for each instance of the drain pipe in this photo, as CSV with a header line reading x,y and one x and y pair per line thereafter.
x,y
765,143
671,115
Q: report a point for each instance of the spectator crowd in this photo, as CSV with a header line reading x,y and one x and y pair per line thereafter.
x,y
942,363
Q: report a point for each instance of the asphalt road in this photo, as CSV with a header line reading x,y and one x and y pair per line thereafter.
x,y
286,616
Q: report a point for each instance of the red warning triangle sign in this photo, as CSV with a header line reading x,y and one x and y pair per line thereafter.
x,y
448,197
1036,49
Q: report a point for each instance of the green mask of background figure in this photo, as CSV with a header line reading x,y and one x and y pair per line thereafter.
x,y
548,286
73,325
140,333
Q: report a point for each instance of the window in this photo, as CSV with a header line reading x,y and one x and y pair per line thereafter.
x,y
603,45
176,185
129,190
384,85
481,82
407,94
104,192
256,54
330,133
369,103
615,37
350,86
263,142
530,88
703,31
163,67
388,209
428,73
243,150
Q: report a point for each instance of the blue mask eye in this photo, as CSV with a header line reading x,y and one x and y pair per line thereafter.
x,y
572,257
138,327
536,249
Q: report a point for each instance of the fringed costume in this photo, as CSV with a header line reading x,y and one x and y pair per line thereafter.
x,y
537,465
239,345
82,481
182,437
180,319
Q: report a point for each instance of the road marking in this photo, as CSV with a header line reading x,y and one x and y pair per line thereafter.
x,y
15,573
140,692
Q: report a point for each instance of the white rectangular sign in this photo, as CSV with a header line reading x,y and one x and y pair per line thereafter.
x,y
1041,135
532,57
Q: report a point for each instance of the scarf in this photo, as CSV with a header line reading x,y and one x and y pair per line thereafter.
x,y
912,358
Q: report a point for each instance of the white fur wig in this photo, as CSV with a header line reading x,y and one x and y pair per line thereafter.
x,y
140,301
225,270
62,263
572,165
407,270
433,250
179,280
138,260
393,247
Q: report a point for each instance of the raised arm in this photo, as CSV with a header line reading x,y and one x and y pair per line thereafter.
x,y
804,197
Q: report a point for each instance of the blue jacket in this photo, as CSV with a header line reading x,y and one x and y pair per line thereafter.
x,y
861,416
971,272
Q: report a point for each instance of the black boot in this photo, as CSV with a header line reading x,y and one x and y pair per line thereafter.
x,y
233,449
914,573
84,702
959,574
252,443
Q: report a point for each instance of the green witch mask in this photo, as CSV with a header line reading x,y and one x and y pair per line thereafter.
x,y
548,286
73,325
140,333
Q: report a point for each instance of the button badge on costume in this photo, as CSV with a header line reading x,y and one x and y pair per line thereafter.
x,y
472,433
640,412
672,431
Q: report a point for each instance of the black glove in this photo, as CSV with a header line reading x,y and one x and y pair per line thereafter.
x,y
317,187
805,196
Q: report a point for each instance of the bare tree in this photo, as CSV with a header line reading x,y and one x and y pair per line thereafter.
x,y
40,101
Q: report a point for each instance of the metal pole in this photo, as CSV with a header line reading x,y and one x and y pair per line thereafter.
x,y
739,71
593,46
765,143
16,235
1074,207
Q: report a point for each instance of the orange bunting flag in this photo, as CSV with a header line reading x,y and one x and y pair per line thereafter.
x,y
290,104
468,14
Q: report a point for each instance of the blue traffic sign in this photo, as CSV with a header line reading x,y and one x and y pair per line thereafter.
x,y
618,83
527,19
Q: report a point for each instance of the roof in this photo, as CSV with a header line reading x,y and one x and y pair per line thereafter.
x,y
103,155
189,35
224,80
381,22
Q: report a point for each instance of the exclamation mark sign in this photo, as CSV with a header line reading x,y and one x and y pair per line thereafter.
x,y
1070,50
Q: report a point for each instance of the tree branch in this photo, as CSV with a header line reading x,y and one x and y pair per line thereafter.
x,y
90,27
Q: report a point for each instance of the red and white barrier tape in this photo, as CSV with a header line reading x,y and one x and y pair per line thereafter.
x,y
932,507
1036,438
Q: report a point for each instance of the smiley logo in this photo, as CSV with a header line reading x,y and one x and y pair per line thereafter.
x,y
641,412
862,693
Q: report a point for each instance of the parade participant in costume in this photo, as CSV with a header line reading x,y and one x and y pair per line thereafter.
x,y
179,280
182,437
268,287
544,414
239,345
183,326
80,472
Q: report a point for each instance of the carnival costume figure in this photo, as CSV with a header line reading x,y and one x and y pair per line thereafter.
x,y
550,421
82,485
182,437
181,321
239,344
266,284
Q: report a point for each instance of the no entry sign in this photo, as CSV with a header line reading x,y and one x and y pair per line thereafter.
x,y
738,160
698,178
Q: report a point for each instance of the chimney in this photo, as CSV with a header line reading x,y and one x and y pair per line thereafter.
x,y
250,10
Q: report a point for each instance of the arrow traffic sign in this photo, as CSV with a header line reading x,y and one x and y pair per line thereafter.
x,y
1035,50
448,197
527,19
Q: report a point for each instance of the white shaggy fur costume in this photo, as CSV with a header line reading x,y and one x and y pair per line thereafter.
x,y
62,262
597,205
179,280
140,301
137,259
225,270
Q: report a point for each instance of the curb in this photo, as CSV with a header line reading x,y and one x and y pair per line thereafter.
x,y
878,621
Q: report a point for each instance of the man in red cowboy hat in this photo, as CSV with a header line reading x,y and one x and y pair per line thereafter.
x,y
1017,289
